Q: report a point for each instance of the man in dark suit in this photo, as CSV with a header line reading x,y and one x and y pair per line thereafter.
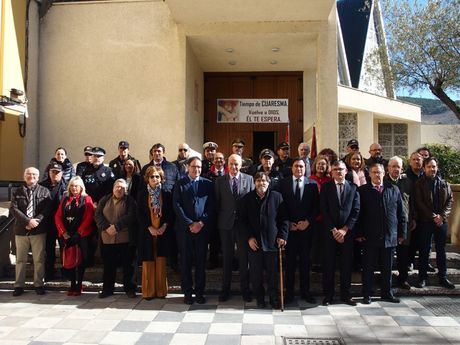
x,y
339,201
382,225
264,220
229,190
193,202
301,198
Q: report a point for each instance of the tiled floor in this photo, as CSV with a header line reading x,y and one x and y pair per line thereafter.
x,y
58,319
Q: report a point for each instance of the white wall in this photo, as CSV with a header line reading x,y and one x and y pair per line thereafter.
x,y
441,134
111,71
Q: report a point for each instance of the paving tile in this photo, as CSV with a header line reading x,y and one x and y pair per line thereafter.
x,y
198,317
316,311
372,311
452,334
169,316
218,339
320,320
358,332
258,318
155,339
288,319
258,340
257,329
101,325
93,337
121,338
351,320
225,328
291,330
423,312
194,327
425,333
162,326
131,326
15,321
383,331
41,322
440,321
24,333
141,315
400,312
410,321
51,335
228,317
14,342
323,331
113,314
375,320
348,311
189,339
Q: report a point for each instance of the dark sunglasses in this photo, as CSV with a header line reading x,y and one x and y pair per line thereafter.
x,y
183,150
154,176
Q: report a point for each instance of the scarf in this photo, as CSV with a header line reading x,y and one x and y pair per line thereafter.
x,y
155,203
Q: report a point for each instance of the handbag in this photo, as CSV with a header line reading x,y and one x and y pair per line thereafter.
x,y
71,257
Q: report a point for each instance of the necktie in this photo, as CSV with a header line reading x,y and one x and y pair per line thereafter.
x,y
297,190
234,187
379,189
219,173
30,205
341,193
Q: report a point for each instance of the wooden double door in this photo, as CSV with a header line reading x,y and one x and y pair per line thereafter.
x,y
260,85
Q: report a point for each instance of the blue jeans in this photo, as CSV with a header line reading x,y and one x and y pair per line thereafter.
x,y
426,232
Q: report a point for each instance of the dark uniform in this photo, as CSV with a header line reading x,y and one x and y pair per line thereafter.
x,y
117,164
275,177
82,166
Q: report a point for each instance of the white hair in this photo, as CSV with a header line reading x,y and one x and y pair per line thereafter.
x,y
396,159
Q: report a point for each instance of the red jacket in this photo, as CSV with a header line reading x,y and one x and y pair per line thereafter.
x,y
87,224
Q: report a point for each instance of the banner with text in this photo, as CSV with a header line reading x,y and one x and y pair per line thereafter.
x,y
252,110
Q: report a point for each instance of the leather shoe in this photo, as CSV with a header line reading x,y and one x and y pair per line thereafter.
x,y
104,294
421,284
431,268
200,299
446,283
349,301
40,290
404,285
309,298
247,296
327,301
188,299
391,299
224,297
131,293
367,300
18,291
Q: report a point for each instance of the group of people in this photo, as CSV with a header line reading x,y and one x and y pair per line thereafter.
x,y
179,212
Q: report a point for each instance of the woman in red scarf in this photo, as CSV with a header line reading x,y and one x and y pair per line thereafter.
x,y
74,222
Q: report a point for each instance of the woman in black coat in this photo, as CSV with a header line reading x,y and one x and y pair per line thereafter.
x,y
60,157
154,217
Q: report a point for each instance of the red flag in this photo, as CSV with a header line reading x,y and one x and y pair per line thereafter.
x,y
313,150
286,134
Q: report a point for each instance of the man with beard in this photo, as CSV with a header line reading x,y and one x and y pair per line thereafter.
x,y
264,220
375,151
57,187
117,163
183,154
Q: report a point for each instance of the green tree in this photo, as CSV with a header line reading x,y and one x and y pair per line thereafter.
x,y
449,161
423,40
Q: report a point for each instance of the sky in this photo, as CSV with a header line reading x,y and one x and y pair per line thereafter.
x,y
425,94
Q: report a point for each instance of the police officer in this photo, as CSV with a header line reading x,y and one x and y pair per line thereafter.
x,y
82,166
98,178
238,147
118,162
267,158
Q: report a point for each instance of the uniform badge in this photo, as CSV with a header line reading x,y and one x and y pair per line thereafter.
x,y
103,174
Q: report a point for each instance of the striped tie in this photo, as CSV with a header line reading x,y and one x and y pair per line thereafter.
x,y
234,187
30,205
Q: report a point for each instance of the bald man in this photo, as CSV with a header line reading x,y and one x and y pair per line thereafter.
x,y
375,151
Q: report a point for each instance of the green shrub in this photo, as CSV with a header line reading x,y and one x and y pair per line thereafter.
x,y
449,161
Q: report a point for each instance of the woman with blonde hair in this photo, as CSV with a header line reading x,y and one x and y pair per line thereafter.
x,y
154,217
74,222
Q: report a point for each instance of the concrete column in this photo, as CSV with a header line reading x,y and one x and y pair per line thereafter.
x,y
414,136
310,102
365,131
327,120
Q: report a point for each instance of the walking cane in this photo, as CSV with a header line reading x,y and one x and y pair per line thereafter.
x,y
280,252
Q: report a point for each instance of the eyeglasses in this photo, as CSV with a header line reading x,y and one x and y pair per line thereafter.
x,y
238,146
88,154
154,176
55,171
183,150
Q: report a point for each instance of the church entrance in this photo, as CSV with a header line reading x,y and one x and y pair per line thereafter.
x,y
223,92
